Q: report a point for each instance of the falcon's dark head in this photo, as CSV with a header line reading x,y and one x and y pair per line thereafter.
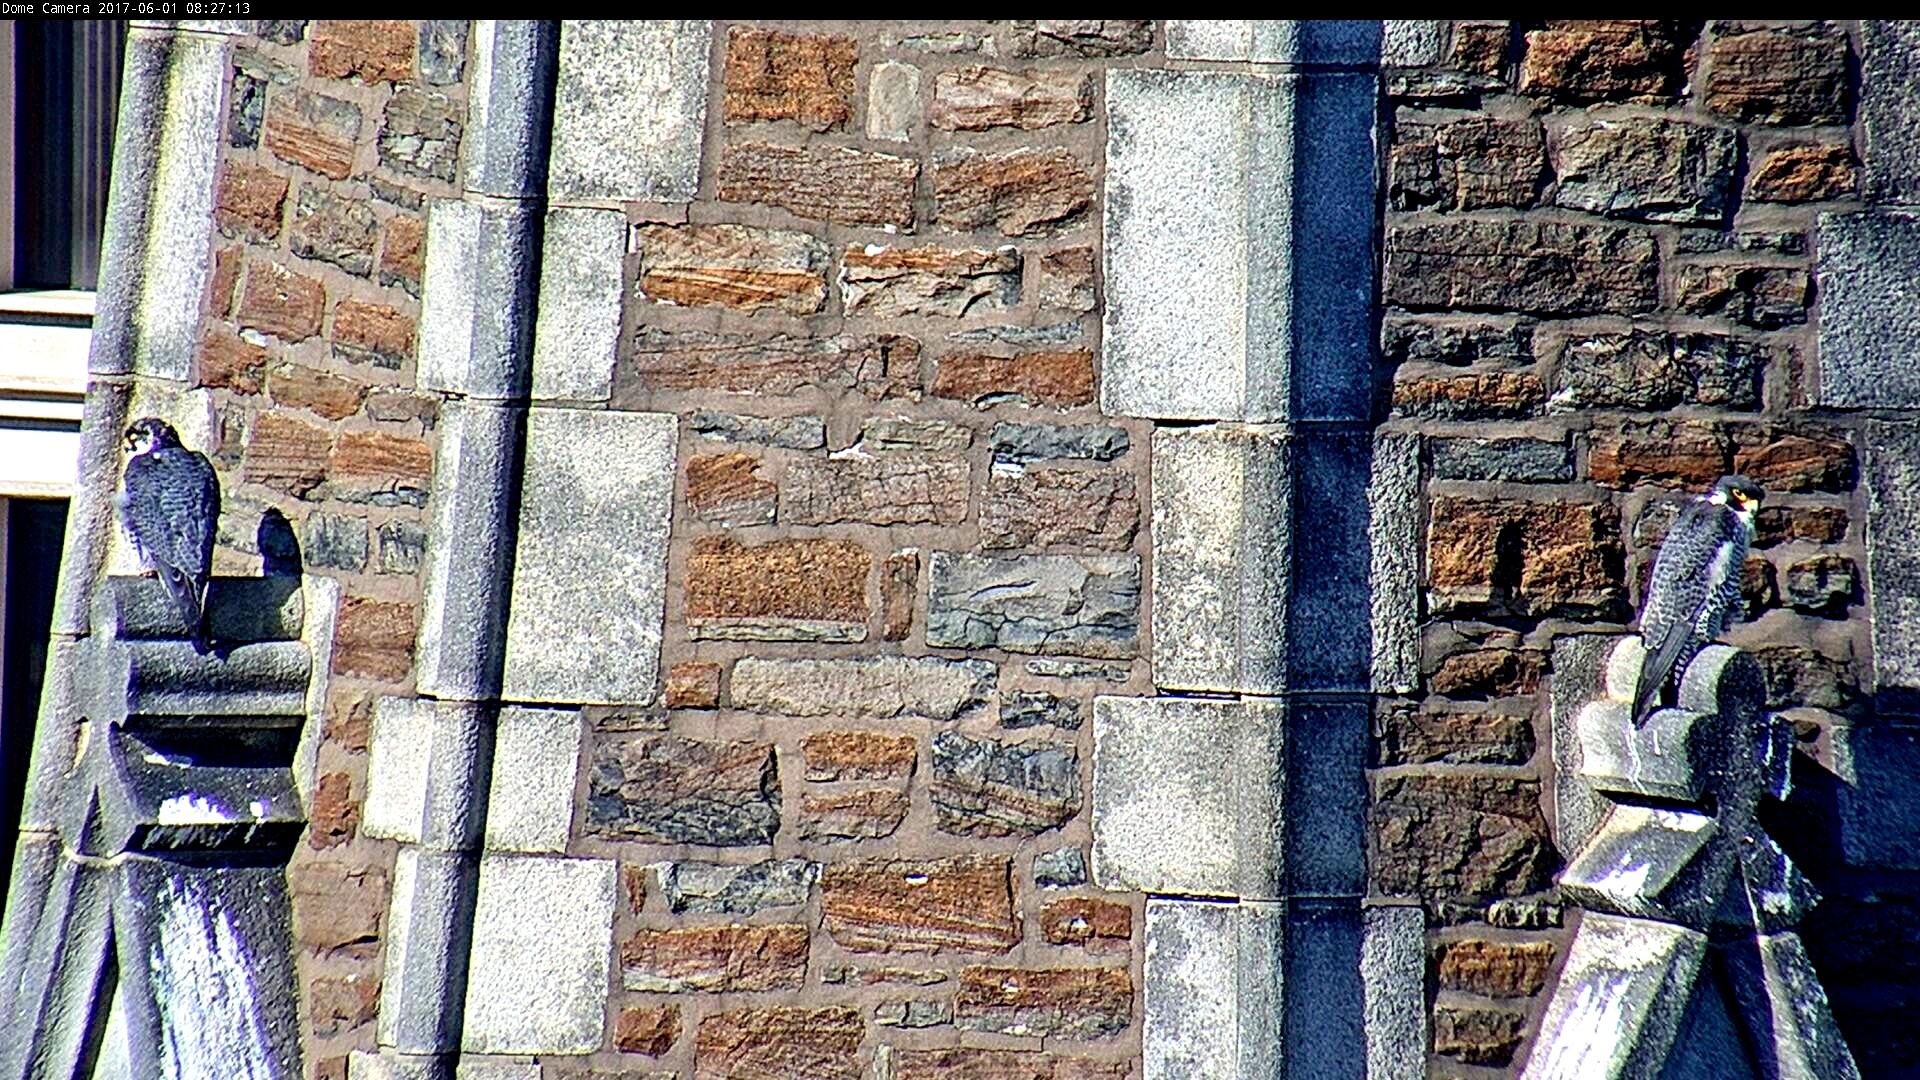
x,y
150,433
1738,492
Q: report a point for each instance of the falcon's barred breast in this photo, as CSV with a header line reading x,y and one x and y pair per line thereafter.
x,y
1695,590
170,505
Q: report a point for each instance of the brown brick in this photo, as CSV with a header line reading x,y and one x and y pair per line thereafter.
x,y
1100,925
349,722
226,274
779,1044
372,333
333,816
1060,508
1067,1003
888,489
899,590
1535,266
1406,734
649,1030
1498,969
726,489
400,407
634,878
1060,378
1527,558
1021,192
228,361
420,134
803,589
374,638
342,1002
1079,37
313,130
248,201
286,454
973,1063
337,907
368,464
1765,296
403,252
1671,453
773,75
694,684
667,789
833,183
1488,673
949,282
1782,459
1798,174
865,814
1470,164
333,228
717,959
333,1068
298,386
1063,279
1473,395
1460,837
878,366
733,266
1606,60
858,755
280,302
979,98
964,903
1779,76
375,50
1481,48
1784,524
1477,1036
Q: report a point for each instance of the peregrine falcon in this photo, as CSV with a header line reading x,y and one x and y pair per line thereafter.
x,y
170,505
1696,584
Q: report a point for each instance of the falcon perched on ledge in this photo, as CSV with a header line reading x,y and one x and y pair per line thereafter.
x,y
170,505
1696,584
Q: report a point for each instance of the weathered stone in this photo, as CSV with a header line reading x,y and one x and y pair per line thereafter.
x,y
962,903
1061,868
649,1030
381,469
1647,170
875,688
280,302
899,588
335,542
228,361
736,889
1788,459
1481,48
1488,673
1064,279
1785,524
1076,605
1822,584
887,281
811,589
1081,37
671,790
1032,708
313,130
1023,443
788,432
1534,266
1672,453
286,454
400,407
1407,734
1611,60
1020,192
342,1003
1524,557
694,684
403,253
1052,508
333,814
372,334
421,134
715,959
1497,969
1057,378
858,755
982,787
893,101
300,387
1477,1036
337,907
1470,164
372,50
1535,461
980,98
1098,925
835,183
886,490
779,1044
373,639
1869,267
247,101
1455,342
878,366
539,921
1784,76
248,201
226,276
774,75
733,266
1763,296
630,108
726,489
970,1063
881,434
1460,837
1799,676
1652,370
1808,173
443,51
403,547
1067,1003
864,814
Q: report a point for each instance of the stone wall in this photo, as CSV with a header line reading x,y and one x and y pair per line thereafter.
x,y
1600,293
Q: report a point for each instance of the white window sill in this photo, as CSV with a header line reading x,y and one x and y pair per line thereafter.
x,y
44,336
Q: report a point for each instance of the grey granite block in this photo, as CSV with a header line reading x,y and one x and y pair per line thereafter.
x,y
1393,536
457,655
1079,605
536,758
1892,476
1212,990
581,276
546,923
426,966
509,104
1889,100
477,298
630,110
1869,276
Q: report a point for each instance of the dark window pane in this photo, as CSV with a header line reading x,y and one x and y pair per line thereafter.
x,y
67,90
35,530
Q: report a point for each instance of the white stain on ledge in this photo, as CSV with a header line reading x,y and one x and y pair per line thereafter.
x,y
1588,1037
191,809
210,1024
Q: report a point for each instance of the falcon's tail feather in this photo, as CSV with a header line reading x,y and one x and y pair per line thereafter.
x,y
1655,669
191,601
